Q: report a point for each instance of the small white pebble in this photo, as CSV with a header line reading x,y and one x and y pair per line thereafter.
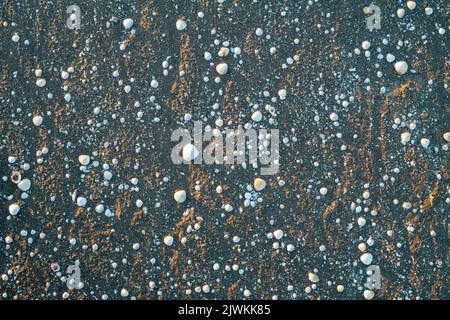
x,y
81,201
127,23
37,120
282,94
100,208
168,240
278,234
181,25
401,67
124,293
424,142
334,116
361,221
401,13
390,57
313,277
24,184
323,191
366,258
154,84
15,37
222,68
411,5
365,45
84,159
180,196
41,82
368,294
14,209
405,137
259,184
257,116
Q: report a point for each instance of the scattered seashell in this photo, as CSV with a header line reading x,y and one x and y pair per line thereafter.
x,y
313,277
14,209
41,82
259,184
37,120
401,67
81,201
168,240
361,221
222,68
107,175
405,137
55,267
362,247
368,294
127,23
84,159
224,51
278,234
124,293
446,136
100,208
411,5
24,184
334,116
257,116
366,258
15,37
16,177
180,196
365,45
390,57
154,84
181,25
425,142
